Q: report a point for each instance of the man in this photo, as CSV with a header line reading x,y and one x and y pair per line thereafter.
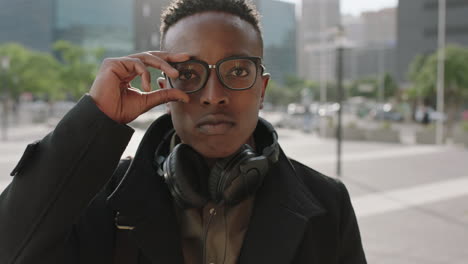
x,y
208,184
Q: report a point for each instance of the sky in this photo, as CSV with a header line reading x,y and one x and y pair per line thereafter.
x,y
355,7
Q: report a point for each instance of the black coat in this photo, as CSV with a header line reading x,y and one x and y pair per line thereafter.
x,y
60,207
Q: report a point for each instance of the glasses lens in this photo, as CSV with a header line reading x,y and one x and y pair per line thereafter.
x,y
238,73
192,75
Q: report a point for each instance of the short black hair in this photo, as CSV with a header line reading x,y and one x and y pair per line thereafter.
x,y
179,9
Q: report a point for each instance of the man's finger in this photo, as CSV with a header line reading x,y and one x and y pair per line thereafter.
x,y
137,66
159,63
156,62
171,57
163,96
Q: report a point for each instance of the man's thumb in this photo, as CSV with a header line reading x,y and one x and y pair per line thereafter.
x,y
163,96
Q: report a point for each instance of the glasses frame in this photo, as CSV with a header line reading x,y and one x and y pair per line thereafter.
x,y
257,60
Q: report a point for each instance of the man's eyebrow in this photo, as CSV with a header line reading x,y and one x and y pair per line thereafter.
x,y
238,55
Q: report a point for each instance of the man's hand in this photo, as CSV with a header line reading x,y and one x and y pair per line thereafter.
x,y
113,94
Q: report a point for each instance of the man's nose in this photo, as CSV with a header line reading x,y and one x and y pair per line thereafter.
x,y
214,92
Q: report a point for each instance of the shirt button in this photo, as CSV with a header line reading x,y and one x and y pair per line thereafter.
x,y
212,212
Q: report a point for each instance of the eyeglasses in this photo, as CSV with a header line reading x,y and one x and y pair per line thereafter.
x,y
235,73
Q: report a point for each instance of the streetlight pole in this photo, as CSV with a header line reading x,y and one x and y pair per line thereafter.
x,y
323,68
339,82
441,71
381,74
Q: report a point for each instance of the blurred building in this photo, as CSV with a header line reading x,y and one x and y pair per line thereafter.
x,y
318,20
417,29
96,23
373,49
279,37
354,29
380,27
30,23
89,23
147,23
369,62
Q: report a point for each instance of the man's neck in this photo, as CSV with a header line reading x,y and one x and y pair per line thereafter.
x,y
211,161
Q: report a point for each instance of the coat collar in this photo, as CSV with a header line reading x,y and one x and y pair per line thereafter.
x,y
283,207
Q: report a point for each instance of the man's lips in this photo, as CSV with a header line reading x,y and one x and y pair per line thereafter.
x,y
215,124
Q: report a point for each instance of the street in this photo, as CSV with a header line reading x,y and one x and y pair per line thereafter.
x,y
411,200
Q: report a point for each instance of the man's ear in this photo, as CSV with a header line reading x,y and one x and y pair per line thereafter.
x,y
162,82
265,80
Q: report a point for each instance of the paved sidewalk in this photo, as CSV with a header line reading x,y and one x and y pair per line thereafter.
x,y
26,132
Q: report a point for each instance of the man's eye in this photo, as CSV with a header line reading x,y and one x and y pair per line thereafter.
x,y
186,75
239,72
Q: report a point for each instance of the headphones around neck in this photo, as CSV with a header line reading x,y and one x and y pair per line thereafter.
x,y
231,179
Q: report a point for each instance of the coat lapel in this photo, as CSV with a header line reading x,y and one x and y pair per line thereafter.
x,y
143,201
283,207
94,233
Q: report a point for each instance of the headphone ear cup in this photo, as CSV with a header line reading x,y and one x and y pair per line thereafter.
x,y
214,178
227,182
183,169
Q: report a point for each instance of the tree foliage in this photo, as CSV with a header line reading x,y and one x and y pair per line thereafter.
x,y
423,74
290,92
28,71
78,67
68,74
390,88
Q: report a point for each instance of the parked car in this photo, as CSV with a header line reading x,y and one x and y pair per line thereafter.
x,y
298,117
386,112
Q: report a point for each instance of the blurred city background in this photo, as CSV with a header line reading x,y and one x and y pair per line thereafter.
x,y
372,91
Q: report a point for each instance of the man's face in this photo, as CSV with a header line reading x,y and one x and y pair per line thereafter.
x,y
217,120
